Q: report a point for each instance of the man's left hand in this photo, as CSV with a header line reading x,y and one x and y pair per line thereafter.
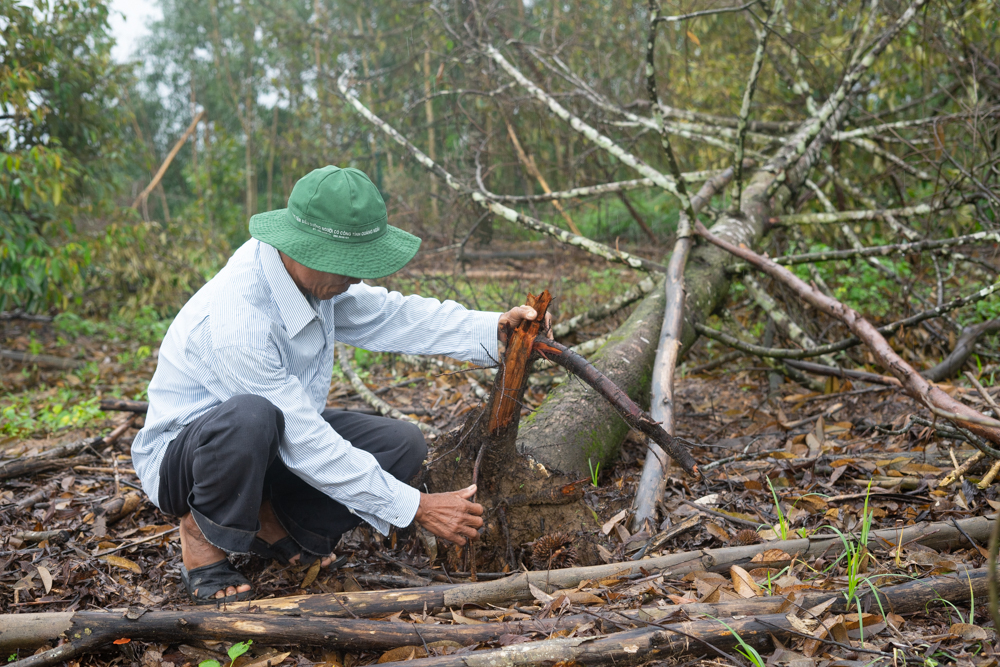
x,y
513,318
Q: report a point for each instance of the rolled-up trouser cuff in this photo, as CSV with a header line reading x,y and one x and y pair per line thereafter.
x,y
230,540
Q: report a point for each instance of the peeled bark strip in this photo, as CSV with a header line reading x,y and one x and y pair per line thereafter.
x,y
574,424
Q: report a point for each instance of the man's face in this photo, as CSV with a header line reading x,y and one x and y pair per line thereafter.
x,y
318,284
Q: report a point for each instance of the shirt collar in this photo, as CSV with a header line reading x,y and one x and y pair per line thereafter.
x,y
295,310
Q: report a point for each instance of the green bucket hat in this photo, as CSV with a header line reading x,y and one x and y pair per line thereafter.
x,y
336,222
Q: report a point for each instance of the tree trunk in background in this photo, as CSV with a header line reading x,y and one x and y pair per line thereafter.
x,y
574,424
429,110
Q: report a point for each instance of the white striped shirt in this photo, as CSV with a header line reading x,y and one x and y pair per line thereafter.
x,y
250,330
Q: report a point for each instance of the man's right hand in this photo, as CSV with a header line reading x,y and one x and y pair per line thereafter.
x,y
452,515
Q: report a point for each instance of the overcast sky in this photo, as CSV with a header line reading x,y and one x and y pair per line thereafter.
x,y
128,30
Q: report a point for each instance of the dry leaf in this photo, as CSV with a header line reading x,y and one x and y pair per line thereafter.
x,y
123,563
802,625
609,526
679,599
771,556
969,632
311,574
267,660
402,653
539,594
464,620
717,531
743,583
46,577
694,38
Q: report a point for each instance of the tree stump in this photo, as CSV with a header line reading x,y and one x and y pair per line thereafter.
x,y
522,500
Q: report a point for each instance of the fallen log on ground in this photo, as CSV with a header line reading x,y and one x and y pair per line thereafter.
x,y
50,459
46,360
124,405
936,535
87,630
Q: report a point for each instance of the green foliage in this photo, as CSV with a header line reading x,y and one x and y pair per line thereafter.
x,y
780,528
48,410
594,472
61,144
744,649
235,651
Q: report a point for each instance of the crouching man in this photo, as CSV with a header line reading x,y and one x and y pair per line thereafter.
x,y
238,442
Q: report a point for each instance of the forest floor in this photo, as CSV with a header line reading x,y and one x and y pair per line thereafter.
x,y
800,463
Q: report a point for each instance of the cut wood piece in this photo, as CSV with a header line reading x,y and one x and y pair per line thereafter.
x,y
90,629
50,459
936,535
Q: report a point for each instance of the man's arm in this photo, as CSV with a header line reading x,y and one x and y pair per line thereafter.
x,y
451,515
311,449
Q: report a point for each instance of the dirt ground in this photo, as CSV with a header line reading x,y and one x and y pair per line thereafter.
x,y
813,449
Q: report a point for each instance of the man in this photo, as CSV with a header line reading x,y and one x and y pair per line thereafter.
x,y
238,441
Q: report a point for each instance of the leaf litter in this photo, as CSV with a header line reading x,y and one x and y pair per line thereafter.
x,y
823,454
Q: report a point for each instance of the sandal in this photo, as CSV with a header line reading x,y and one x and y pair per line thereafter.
x,y
282,551
204,582
285,549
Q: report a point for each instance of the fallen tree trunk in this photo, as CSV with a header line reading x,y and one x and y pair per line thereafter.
x,y
91,629
42,360
50,459
936,535
574,425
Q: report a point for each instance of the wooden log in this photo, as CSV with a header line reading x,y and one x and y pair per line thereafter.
x,y
124,405
56,457
936,535
89,629
42,360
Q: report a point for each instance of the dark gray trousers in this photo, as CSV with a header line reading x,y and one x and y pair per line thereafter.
x,y
225,463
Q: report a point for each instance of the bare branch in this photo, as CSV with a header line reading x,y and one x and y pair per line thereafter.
x,y
483,200
706,12
373,400
913,383
602,188
602,141
857,216
748,91
884,250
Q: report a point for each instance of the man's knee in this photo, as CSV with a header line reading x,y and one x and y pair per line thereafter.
x,y
413,451
255,423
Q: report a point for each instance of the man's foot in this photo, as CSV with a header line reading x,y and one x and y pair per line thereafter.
x,y
272,533
198,552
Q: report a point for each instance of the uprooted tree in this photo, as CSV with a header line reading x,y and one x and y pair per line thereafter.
x,y
935,148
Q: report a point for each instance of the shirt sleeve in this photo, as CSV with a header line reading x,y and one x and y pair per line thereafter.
x,y
311,448
381,321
